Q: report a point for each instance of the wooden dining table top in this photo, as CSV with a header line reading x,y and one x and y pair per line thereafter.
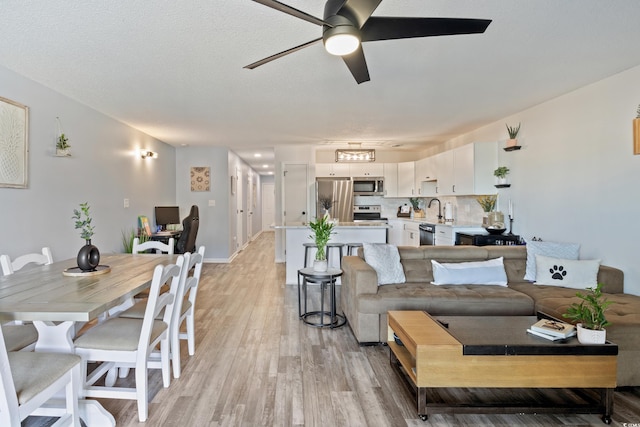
x,y
45,293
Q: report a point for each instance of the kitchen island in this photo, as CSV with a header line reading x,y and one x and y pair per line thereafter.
x,y
343,232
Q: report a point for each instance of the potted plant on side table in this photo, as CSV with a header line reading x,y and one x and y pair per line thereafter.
x,y
589,316
322,230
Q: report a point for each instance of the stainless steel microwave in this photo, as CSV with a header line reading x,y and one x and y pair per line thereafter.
x,y
368,186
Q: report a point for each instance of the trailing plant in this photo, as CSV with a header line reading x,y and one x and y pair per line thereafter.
x,y
63,142
322,230
590,311
513,131
488,203
501,172
83,221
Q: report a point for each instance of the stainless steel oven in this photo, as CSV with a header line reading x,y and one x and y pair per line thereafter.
x,y
427,234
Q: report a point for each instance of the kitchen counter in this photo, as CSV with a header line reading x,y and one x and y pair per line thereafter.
x,y
343,232
339,225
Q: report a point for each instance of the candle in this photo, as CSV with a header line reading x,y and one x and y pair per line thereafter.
x,y
510,209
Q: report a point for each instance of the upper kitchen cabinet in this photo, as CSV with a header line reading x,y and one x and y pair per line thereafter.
x,y
366,169
332,170
406,179
390,180
467,170
425,176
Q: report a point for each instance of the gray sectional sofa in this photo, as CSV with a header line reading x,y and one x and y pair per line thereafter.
x,y
365,303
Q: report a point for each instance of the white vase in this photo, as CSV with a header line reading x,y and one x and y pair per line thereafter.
x,y
320,265
589,336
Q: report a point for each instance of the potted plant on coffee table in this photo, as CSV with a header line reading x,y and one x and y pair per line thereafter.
x,y
589,316
322,230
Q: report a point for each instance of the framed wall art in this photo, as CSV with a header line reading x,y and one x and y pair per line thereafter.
x,y
200,178
14,144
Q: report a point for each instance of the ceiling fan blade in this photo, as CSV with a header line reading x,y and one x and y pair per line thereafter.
x,y
390,28
357,11
292,11
357,65
281,54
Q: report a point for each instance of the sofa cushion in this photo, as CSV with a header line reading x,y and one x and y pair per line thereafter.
x,y
489,272
385,260
575,274
455,300
550,249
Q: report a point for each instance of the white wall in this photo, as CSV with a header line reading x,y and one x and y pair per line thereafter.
x,y
576,178
104,170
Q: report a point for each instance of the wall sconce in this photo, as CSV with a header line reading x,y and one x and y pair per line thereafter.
x,y
355,155
148,154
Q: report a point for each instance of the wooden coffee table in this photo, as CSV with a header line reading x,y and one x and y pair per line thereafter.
x,y
496,352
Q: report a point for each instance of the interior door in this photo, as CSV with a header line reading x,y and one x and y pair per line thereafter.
x,y
250,205
295,177
239,209
268,205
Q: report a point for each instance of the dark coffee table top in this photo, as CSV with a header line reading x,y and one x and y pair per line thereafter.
x,y
507,335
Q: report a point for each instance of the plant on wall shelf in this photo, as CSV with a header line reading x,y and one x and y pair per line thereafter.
x,y
83,221
513,131
501,172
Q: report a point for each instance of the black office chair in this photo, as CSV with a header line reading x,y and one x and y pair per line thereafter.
x,y
187,240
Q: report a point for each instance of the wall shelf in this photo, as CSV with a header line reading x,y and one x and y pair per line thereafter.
x,y
503,185
513,148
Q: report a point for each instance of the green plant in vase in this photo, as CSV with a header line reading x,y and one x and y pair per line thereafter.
x,y
322,230
89,255
62,145
590,311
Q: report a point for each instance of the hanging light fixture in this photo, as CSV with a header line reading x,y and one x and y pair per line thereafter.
x,y
341,39
355,155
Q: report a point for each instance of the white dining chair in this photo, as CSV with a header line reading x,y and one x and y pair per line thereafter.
x,y
20,336
29,379
10,267
128,343
184,308
156,245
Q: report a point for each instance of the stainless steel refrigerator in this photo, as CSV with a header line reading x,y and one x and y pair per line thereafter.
x,y
339,192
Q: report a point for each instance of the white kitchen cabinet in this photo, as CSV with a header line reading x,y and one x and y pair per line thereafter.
x,y
396,232
425,176
445,236
332,170
467,170
366,169
390,180
411,234
406,179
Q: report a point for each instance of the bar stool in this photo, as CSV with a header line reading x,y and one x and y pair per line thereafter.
x,y
308,246
334,246
352,246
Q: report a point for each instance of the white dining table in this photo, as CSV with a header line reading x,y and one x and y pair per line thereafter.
x,y
56,303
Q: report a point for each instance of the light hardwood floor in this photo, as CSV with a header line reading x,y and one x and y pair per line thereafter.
x,y
257,364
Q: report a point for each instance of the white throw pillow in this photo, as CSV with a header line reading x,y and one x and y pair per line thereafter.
x,y
569,273
550,249
489,272
385,260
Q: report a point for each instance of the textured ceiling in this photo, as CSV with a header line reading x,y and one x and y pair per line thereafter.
x,y
174,69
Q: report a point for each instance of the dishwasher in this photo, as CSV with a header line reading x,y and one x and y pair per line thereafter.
x,y
427,234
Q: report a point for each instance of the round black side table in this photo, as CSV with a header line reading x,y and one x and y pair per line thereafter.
x,y
326,279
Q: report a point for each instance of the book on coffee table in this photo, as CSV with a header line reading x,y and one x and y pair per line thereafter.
x,y
554,328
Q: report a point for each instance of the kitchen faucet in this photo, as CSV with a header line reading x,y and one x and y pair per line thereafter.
x,y
439,209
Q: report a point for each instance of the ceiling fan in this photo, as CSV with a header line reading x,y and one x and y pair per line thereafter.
x,y
348,23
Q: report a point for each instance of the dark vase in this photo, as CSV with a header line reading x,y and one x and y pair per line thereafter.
x,y
88,257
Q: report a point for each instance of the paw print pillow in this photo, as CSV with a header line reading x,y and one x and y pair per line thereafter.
x,y
569,273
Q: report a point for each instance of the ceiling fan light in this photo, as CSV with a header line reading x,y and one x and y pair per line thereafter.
x,y
341,44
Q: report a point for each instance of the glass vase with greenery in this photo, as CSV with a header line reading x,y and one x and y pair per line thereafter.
x,y
322,230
